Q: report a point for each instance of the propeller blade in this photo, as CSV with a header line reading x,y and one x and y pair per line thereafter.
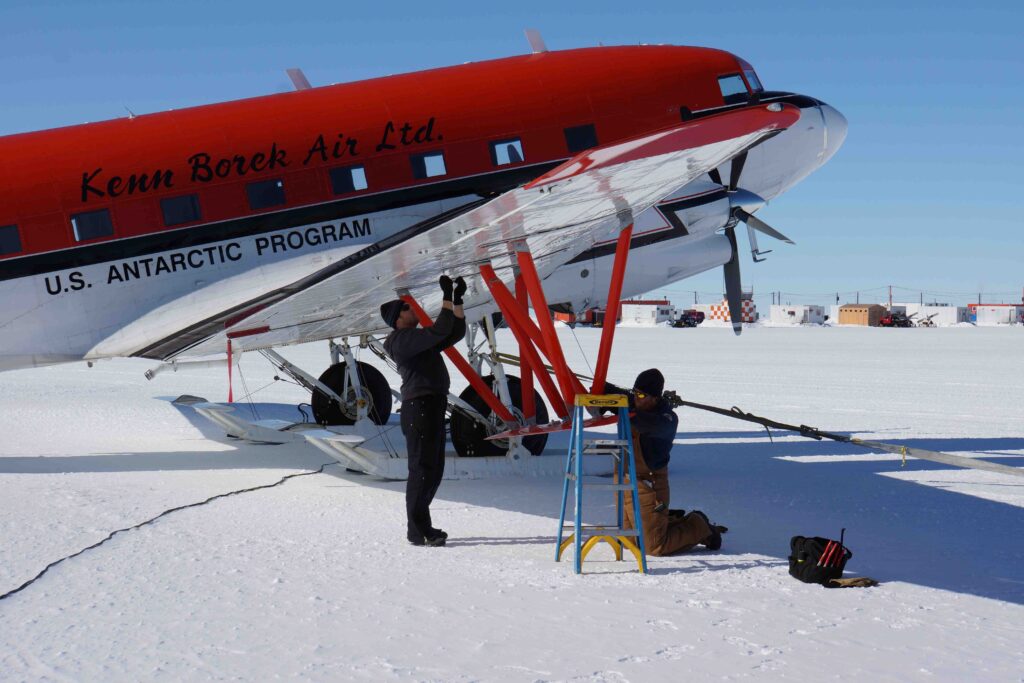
x,y
736,170
756,223
732,284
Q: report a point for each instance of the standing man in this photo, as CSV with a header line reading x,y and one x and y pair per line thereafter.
x,y
425,382
654,424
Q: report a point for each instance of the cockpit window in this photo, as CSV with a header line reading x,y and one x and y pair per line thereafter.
x,y
734,90
753,80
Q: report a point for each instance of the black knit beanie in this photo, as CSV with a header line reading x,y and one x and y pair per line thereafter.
x,y
650,382
391,310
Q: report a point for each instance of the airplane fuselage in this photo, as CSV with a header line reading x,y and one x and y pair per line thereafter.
x,y
143,236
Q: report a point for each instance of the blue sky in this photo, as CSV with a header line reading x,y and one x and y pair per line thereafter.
x,y
926,194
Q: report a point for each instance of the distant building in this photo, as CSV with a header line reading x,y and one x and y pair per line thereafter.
x,y
988,315
720,311
797,315
861,314
940,315
584,317
646,311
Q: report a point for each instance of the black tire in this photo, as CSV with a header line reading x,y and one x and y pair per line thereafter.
x,y
469,437
326,411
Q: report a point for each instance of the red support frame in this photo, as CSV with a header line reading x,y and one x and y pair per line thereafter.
x,y
604,353
514,316
465,368
520,315
231,389
526,367
547,326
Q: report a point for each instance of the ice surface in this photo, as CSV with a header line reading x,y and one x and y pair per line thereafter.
x,y
314,579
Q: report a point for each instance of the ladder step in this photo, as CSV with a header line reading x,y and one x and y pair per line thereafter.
x,y
603,451
605,442
608,487
602,531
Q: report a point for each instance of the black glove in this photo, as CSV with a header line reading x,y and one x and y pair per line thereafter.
x,y
446,287
610,388
460,290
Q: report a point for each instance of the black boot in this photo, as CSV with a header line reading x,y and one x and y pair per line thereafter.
x,y
714,539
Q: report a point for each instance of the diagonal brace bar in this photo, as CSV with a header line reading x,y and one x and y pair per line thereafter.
x,y
547,326
604,353
514,316
529,408
465,368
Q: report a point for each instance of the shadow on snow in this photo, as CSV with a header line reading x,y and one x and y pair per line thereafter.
x,y
898,530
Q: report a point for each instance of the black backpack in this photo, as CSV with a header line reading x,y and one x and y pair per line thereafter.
x,y
814,559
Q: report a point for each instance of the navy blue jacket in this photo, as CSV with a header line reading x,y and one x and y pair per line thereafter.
x,y
417,352
657,431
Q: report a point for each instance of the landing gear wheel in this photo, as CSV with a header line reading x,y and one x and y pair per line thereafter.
x,y
374,390
469,437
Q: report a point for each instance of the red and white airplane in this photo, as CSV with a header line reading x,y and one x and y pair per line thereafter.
x,y
289,218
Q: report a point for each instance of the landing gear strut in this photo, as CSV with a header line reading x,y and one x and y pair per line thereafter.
x,y
357,391
469,436
372,394
347,392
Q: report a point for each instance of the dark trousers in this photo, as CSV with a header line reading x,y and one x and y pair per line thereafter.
x,y
423,427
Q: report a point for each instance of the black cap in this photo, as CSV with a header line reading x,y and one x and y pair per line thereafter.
x,y
391,310
650,382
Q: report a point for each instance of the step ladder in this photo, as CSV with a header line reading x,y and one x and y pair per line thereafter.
x,y
585,536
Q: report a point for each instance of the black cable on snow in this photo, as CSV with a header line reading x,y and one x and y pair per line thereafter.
x,y
153,519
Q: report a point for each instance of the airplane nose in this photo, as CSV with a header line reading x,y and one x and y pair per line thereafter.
x,y
835,131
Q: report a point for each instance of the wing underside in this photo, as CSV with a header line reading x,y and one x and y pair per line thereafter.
x,y
556,216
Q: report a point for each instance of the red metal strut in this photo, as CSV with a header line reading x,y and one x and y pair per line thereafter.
x,y
604,353
231,390
465,368
520,313
526,367
547,327
515,316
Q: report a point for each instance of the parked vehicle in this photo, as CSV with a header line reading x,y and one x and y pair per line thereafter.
x,y
895,319
689,318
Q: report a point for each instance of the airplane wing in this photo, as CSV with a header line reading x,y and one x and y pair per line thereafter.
x,y
556,216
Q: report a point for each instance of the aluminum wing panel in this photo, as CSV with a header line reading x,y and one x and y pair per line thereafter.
x,y
557,216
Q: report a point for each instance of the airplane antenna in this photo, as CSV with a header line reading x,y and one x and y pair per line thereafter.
x,y
299,79
131,114
536,41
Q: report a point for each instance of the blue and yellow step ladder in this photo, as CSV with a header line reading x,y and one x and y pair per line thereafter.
x,y
585,536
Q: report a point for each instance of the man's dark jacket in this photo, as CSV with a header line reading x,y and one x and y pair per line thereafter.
x,y
417,351
657,431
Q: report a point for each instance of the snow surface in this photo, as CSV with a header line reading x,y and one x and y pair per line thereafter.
x,y
313,579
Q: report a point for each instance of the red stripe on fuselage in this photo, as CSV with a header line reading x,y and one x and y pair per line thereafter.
x,y
128,165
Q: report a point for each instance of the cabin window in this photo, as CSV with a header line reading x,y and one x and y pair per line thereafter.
x,y
504,152
265,193
753,80
734,90
178,210
92,225
348,179
428,165
10,242
579,138
685,114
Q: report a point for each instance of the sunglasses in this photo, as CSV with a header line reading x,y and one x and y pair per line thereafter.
x,y
405,307
640,394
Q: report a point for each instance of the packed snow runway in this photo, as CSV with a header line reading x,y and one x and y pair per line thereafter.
x,y
314,578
